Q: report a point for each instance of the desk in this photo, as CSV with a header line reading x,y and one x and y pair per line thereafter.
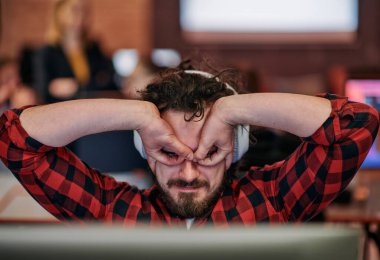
x,y
364,207
16,205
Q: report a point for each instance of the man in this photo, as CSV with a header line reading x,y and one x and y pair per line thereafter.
x,y
187,124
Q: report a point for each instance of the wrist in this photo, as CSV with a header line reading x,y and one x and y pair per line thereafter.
x,y
223,109
149,113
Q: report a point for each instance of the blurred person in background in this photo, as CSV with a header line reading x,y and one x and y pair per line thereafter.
x,y
71,64
13,93
141,76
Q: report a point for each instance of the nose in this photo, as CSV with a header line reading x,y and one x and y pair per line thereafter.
x,y
189,171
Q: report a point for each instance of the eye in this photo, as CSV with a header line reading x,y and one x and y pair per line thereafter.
x,y
212,151
171,155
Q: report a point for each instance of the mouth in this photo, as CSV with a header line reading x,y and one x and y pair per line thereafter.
x,y
184,186
187,188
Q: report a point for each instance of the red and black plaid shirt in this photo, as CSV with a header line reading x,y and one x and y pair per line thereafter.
x,y
295,189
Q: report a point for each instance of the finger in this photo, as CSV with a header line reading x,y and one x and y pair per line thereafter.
x,y
216,158
202,151
182,150
163,158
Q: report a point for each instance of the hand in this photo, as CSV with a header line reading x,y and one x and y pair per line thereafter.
x,y
217,139
24,96
63,88
160,142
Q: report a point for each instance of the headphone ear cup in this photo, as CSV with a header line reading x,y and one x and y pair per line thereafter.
x,y
241,144
139,144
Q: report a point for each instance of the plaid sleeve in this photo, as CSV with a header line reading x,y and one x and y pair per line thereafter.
x,y
324,164
59,181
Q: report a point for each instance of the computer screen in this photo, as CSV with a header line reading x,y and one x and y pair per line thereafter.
x,y
270,20
99,242
367,91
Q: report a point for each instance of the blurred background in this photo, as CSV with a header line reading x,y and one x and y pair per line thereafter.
x,y
60,50
287,43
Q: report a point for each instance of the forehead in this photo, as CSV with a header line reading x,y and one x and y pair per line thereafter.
x,y
188,132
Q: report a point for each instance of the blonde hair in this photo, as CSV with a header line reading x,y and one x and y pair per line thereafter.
x,y
54,32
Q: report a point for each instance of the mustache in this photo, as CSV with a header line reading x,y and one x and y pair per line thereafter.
x,y
182,183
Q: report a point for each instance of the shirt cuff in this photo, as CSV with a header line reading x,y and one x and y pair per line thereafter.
x,y
330,131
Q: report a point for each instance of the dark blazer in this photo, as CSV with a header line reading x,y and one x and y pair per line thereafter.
x,y
51,63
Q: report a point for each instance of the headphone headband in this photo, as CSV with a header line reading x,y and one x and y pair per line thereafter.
x,y
209,75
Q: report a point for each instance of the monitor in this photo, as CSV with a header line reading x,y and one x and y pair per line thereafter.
x,y
273,21
367,91
306,242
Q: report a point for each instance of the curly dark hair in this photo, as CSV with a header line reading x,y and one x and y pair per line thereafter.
x,y
188,92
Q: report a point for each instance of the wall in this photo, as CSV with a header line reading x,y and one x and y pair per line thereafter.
x,y
118,23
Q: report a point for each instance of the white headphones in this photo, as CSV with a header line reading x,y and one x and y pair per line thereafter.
x,y
241,143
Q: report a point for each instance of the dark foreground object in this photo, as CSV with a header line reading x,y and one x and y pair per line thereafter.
x,y
313,242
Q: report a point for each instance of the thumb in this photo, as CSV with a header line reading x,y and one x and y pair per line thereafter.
x,y
202,150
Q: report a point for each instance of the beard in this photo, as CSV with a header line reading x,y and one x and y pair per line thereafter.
x,y
187,205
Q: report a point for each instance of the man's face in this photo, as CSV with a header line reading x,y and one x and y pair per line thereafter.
x,y
189,189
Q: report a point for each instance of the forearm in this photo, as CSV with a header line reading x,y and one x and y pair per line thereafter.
x,y
297,114
61,123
